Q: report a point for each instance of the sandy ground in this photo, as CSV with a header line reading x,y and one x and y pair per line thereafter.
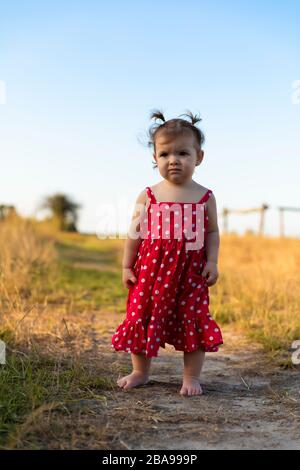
x,y
248,402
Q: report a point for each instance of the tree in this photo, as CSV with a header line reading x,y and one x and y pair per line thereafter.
x,y
64,210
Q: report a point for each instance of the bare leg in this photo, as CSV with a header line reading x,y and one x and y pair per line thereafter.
x,y
140,373
193,362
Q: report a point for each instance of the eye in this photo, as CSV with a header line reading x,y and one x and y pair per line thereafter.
x,y
183,153
163,154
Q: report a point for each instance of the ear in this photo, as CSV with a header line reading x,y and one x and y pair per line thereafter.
x,y
200,156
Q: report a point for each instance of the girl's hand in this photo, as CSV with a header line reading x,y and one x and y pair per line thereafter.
x,y
128,278
211,270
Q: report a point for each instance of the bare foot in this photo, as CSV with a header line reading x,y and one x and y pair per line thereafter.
x,y
132,380
191,386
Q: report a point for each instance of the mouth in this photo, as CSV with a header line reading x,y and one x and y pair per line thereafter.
x,y
173,170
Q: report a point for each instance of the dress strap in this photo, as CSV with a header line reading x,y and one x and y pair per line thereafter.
x,y
205,197
151,195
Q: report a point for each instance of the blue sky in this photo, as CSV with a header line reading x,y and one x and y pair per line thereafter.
x,y
82,77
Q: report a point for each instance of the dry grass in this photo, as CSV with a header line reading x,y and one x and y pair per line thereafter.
x,y
259,288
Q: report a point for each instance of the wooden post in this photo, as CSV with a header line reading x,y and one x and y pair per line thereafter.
x,y
281,217
263,209
281,221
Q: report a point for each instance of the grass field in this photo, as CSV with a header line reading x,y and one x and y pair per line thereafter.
x,y
55,286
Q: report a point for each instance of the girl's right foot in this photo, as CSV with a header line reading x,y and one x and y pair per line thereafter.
x,y
133,380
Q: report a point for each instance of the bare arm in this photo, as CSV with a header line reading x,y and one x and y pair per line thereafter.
x,y
131,243
212,242
213,237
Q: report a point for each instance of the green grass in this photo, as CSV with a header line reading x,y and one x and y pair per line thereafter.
x,y
90,277
29,381
88,288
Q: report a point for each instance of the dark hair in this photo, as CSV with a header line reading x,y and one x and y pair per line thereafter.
x,y
174,126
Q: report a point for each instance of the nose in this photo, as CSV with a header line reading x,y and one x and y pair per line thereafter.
x,y
173,160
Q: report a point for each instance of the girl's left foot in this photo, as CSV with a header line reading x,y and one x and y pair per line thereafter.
x,y
191,386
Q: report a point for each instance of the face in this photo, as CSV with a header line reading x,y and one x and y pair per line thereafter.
x,y
177,153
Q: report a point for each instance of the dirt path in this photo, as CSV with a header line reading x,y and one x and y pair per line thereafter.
x,y
248,403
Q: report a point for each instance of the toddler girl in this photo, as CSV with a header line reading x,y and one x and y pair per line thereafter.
x,y
170,259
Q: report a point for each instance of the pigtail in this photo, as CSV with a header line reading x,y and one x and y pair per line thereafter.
x,y
157,114
194,118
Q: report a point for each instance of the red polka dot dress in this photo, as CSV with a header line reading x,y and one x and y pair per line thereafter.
x,y
169,303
